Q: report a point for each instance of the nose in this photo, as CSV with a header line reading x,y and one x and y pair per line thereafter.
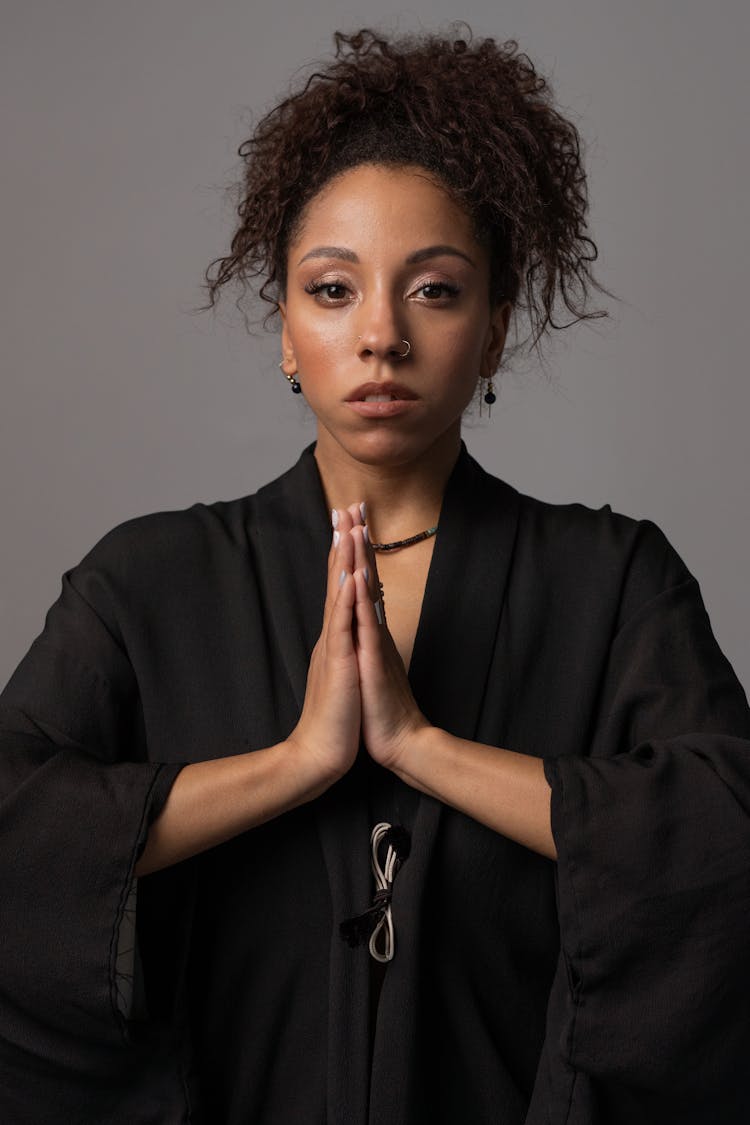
x,y
383,336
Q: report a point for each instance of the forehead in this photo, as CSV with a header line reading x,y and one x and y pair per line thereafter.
x,y
374,202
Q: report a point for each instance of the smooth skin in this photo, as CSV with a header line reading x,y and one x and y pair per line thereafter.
x,y
382,255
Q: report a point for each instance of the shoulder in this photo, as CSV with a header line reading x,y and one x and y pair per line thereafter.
x,y
176,551
594,552
604,548
148,542
575,529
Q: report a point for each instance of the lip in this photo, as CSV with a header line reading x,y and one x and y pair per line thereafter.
x,y
399,392
390,409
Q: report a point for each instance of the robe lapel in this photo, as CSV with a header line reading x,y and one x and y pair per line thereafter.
x,y
294,532
450,664
464,597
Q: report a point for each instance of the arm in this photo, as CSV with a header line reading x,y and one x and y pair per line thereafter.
x,y
506,791
76,798
210,802
213,801
81,805
648,1017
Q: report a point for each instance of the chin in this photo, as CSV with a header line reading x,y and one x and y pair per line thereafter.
x,y
384,445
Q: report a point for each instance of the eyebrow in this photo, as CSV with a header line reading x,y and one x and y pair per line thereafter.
x,y
330,252
440,251
423,255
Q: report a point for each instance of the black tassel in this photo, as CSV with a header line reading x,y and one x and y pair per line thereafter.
x,y
400,840
358,929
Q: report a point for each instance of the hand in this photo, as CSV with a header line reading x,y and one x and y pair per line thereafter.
x,y
390,716
329,727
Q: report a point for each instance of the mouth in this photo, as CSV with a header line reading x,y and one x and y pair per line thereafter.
x,y
382,392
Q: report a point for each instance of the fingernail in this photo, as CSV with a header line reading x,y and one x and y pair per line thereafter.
x,y
336,538
363,511
366,573
365,534
342,578
334,518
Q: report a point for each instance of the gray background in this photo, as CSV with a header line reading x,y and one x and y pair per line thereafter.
x,y
120,126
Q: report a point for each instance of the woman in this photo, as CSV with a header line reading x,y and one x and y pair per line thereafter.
x,y
514,714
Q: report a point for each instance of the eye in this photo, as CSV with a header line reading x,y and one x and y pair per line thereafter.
x,y
437,290
327,292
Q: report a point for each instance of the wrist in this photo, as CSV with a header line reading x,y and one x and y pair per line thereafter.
x,y
313,776
414,748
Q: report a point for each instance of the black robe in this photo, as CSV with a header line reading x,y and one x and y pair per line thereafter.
x,y
609,988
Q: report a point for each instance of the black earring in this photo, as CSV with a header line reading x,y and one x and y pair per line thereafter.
x,y
489,397
292,379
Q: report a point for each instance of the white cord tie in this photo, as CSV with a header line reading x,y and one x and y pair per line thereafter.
x,y
378,918
384,881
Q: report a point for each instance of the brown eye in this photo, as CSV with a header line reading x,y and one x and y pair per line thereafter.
x,y
434,290
328,290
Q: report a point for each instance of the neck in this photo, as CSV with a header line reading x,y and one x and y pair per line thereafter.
x,y
403,497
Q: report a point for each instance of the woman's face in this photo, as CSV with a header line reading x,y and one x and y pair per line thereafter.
x,y
384,255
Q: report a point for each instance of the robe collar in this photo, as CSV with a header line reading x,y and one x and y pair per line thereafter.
x,y
463,595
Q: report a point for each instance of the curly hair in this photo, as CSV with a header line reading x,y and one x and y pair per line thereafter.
x,y
476,115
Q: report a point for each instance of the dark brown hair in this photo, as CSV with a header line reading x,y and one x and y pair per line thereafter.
x,y
473,113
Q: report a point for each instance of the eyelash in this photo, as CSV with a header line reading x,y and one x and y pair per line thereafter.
x,y
448,290
314,288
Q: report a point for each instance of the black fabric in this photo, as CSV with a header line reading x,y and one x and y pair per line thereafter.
x,y
610,988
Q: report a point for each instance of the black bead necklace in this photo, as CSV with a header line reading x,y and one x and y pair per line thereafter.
x,y
405,542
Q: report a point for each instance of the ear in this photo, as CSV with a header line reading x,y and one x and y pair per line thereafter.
x,y
289,362
497,330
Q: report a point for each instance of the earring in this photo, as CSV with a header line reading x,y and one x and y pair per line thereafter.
x,y
293,381
489,397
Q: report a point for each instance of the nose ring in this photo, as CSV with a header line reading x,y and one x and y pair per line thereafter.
x,y
400,355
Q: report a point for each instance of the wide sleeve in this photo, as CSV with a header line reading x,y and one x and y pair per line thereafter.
x,y
77,794
649,1019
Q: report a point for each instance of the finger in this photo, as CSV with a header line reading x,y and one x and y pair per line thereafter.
x,y
372,566
358,512
343,565
341,524
346,521
333,568
340,557
335,536
339,639
361,558
345,555
364,609
370,613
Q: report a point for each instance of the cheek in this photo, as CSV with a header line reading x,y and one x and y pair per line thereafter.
x,y
317,340
462,348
